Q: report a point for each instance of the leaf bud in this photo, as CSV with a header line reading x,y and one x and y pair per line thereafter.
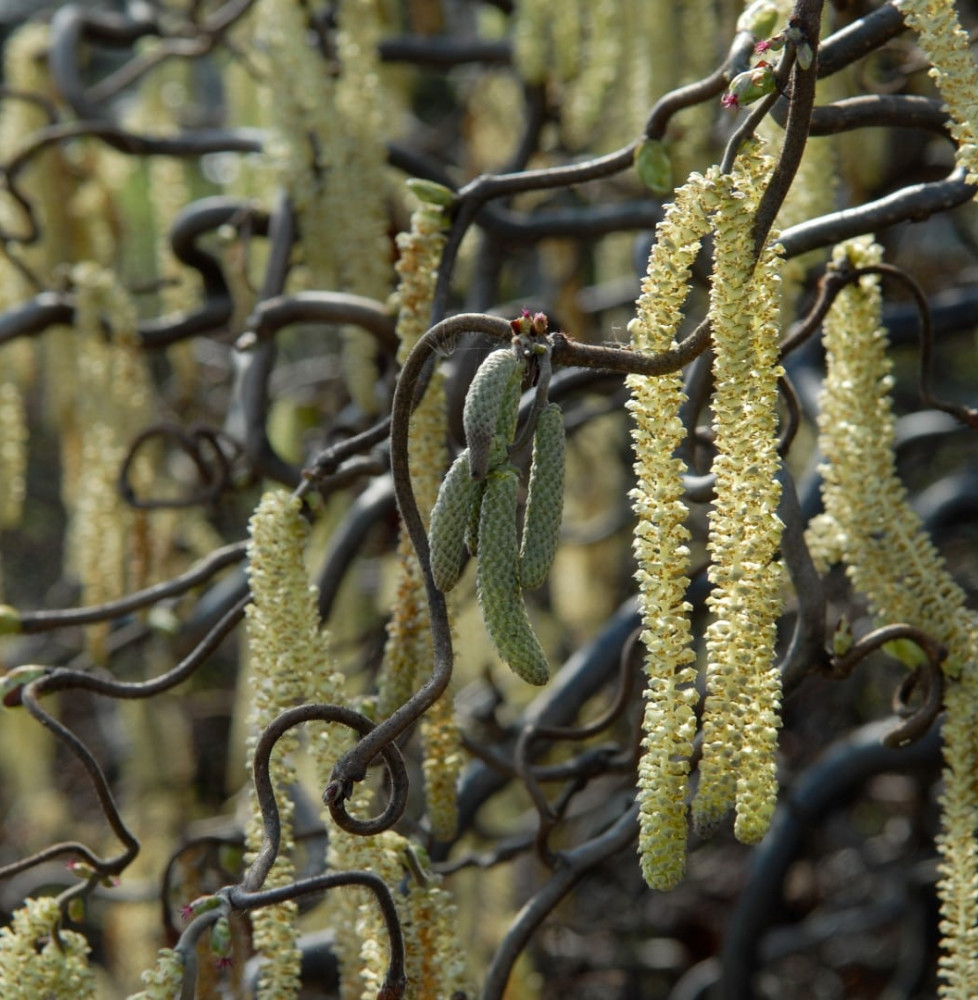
x,y
654,167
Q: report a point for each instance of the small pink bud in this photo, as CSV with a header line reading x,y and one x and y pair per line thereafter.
x,y
747,87
523,325
200,905
80,868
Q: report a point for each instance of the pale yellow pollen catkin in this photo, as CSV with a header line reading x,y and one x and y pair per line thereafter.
x,y
112,402
32,964
435,960
948,47
165,980
327,123
286,654
13,451
408,653
890,559
741,713
531,35
660,542
593,70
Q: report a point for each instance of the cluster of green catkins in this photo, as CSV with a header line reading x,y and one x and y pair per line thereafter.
x,y
477,508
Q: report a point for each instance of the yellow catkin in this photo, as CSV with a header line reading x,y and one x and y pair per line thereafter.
x,y
408,654
947,46
442,765
568,26
112,402
32,964
594,71
362,183
49,186
165,980
298,107
823,538
652,60
408,644
531,34
290,663
13,450
741,713
48,181
285,652
891,559
327,140
698,53
435,960
660,542
162,96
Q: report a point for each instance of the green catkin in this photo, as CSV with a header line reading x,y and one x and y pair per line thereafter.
x,y
498,580
472,527
457,504
545,499
490,410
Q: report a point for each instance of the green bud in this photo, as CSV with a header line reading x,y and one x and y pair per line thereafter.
x,y
498,580
9,620
81,869
842,638
491,410
907,652
759,18
163,620
654,167
12,682
202,904
231,857
430,192
457,503
545,499
745,88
